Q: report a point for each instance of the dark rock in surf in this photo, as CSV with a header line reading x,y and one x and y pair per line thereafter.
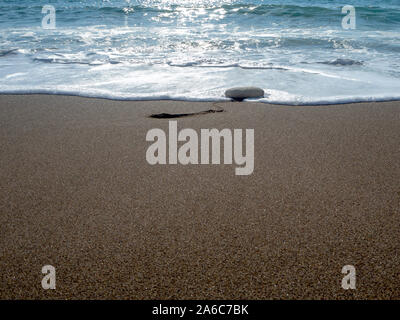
x,y
241,93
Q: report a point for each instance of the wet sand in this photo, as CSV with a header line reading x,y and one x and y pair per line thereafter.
x,y
77,192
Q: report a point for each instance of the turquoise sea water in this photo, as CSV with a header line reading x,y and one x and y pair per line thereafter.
x,y
297,51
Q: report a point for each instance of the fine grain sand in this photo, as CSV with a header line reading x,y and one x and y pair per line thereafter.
x,y
76,192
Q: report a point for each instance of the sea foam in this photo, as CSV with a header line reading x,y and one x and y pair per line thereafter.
x,y
187,50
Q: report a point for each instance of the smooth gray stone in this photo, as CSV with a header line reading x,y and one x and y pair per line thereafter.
x,y
241,93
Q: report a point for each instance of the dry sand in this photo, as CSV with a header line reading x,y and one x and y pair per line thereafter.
x,y
76,192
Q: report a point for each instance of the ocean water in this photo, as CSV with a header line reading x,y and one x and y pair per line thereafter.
x,y
297,51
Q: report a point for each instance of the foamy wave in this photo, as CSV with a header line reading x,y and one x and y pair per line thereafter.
x,y
272,97
195,50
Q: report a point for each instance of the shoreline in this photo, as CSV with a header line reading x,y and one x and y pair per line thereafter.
x,y
77,193
221,100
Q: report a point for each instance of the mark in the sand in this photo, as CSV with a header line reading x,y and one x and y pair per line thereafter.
x,y
181,115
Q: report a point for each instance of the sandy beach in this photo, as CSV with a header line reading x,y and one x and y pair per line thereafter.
x,y
76,192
